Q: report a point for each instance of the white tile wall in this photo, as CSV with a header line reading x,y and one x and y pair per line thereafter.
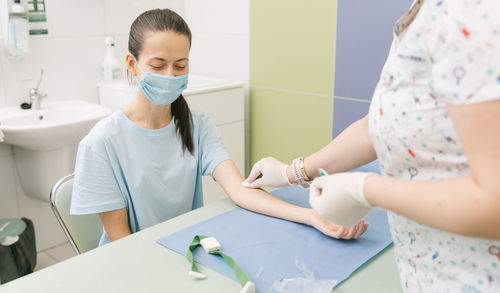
x,y
220,38
8,191
71,69
119,14
121,50
75,18
220,55
218,16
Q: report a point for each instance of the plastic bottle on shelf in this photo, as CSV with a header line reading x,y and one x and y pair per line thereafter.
x,y
110,65
18,31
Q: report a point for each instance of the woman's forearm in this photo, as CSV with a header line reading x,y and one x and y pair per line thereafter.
x,y
350,149
257,200
262,202
459,205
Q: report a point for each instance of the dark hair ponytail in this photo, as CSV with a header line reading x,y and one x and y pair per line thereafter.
x,y
165,20
182,116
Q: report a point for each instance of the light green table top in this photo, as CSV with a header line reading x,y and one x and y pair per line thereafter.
x,y
138,264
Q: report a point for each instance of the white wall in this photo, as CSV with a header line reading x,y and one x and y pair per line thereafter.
x,y
71,56
221,44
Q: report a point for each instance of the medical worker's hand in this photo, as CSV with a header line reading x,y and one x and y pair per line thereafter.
x,y
267,172
339,198
337,231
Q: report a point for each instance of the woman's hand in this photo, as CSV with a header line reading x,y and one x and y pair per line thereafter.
x,y
267,172
337,231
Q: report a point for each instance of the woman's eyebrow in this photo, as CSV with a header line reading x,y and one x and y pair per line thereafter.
x,y
158,58
164,60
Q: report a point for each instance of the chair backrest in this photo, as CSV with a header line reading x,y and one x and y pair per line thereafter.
x,y
83,231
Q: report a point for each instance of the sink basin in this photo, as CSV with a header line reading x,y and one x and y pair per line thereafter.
x,y
45,141
57,124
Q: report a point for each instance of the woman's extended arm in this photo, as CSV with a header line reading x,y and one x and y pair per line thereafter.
x,y
257,200
115,224
465,205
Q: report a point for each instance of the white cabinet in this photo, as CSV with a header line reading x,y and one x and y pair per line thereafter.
x,y
226,108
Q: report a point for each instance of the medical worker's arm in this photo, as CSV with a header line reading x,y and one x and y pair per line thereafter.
x,y
468,205
257,200
115,224
350,149
465,205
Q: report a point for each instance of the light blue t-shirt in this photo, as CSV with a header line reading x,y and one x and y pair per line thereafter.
x,y
121,165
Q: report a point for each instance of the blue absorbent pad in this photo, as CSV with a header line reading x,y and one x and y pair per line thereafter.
x,y
258,242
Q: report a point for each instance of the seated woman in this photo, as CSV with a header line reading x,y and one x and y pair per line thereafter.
x,y
143,164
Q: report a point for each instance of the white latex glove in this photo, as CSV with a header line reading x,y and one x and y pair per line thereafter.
x,y
339,198
267,172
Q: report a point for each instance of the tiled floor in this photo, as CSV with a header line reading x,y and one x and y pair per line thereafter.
x,y
54,255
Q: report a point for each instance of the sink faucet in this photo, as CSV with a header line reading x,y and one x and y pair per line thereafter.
x,y
35,96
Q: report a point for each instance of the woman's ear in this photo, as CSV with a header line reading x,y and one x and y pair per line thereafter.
x,y
129,60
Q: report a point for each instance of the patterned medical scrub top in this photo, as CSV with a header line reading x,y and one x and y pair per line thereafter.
x,y
443,52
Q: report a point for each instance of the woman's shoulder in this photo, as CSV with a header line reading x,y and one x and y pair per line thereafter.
x,y
197,115
102,130
200,119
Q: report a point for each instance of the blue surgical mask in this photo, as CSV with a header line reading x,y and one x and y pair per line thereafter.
x,y
161,89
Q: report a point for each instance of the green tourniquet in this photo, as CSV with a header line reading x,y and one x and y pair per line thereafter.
x,y
238,271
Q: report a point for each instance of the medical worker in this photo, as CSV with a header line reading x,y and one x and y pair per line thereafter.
x,y
143,164
434,126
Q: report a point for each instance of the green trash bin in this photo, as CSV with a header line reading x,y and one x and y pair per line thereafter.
x,y
17,248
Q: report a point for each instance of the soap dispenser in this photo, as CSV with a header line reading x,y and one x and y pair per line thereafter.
x,y
110,65
18,31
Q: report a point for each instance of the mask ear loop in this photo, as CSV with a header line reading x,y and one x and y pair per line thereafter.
x,y
137,63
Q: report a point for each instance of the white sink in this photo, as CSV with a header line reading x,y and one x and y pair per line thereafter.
x,y
45,141
55,125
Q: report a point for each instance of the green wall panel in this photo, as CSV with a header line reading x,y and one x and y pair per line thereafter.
x,y
287,125
292,44
292,49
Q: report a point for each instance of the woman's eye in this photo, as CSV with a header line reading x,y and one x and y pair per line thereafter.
x,y
157,67
180,67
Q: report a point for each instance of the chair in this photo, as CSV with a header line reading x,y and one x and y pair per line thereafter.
x,y
83,231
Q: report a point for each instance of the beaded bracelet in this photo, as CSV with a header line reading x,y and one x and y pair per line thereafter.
x,y
303,169
298,174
